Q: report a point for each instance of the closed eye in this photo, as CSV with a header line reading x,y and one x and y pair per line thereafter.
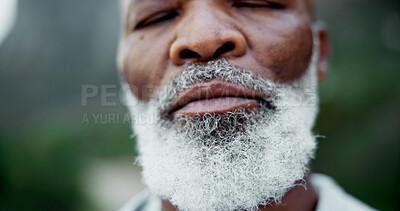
x,y
157,18
256,3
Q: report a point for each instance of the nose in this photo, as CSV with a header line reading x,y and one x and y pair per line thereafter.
x,y
204,37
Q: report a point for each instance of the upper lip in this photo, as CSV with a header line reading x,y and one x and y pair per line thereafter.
x,y
213,89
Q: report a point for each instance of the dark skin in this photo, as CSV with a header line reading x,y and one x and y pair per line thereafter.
x,y
271,38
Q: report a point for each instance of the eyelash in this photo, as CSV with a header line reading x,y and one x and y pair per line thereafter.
x,y
255,4
160,17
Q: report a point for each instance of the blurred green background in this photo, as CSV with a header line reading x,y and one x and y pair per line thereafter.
x,y
57,153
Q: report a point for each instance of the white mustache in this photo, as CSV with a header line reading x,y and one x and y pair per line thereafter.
x,y
222,70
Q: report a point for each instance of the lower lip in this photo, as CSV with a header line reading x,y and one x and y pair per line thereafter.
x,y
217,106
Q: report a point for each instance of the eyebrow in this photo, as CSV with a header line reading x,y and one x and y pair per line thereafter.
x,y
129,5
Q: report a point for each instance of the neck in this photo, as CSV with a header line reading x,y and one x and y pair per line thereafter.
x,y
297,198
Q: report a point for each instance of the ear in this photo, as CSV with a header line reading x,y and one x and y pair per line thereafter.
x,y
321,34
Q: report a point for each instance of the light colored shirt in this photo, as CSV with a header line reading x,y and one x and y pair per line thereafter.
x,y
331,197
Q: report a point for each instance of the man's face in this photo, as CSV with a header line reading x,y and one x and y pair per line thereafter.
x,y
272,38
227,98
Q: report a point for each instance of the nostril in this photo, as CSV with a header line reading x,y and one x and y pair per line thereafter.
x,y
229,46
188,54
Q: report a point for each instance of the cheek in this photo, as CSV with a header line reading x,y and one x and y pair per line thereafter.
x,y
143,65
283,47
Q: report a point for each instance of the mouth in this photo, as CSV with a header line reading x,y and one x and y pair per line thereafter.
x,y
217,97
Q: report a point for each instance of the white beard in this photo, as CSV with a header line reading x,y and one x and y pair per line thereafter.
x,y
198,167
